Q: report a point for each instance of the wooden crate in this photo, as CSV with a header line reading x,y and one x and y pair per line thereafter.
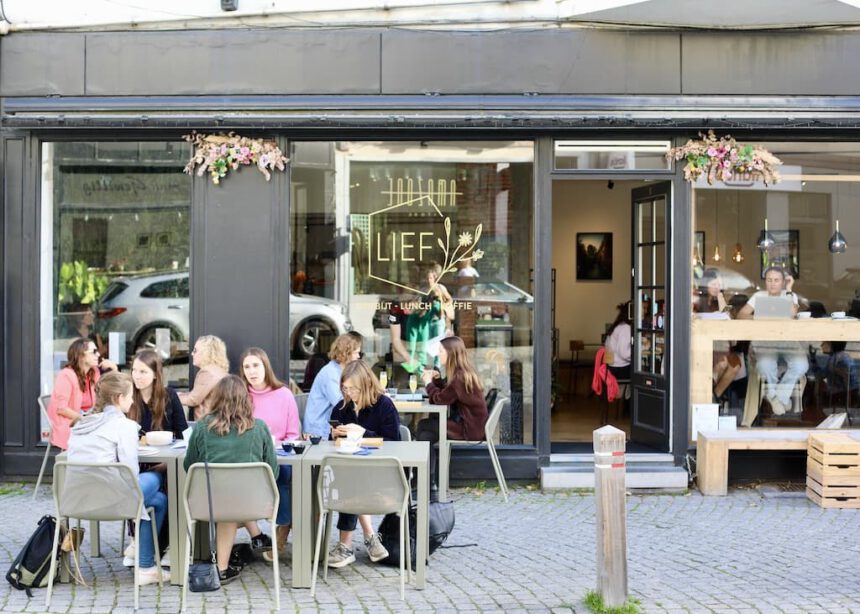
x,y
833,470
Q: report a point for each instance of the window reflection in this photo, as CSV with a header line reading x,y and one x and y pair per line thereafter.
x,y
416,240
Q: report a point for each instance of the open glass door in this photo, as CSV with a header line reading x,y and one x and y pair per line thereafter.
x,y
650,421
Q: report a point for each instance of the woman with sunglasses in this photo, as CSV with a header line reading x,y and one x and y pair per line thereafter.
x,y
74,388
210,357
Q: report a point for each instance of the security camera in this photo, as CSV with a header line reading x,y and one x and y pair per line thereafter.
x,y
229,5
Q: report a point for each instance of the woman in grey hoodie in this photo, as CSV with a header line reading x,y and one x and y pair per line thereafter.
x,y
106,435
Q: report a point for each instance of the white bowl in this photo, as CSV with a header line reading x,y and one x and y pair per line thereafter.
x,y
838,314
159,438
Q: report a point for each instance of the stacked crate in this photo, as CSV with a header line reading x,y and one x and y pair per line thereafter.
x,y
833,469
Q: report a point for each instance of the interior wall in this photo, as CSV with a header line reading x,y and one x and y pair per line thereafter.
x,y
583,308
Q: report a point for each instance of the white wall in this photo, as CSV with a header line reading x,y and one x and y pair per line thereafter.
x,y
584,307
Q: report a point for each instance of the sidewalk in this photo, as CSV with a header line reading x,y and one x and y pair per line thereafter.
x,y
748,552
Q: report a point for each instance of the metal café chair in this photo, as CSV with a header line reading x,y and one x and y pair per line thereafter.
x,y
43,407
490,429
100,492
361,485
302,403
240,492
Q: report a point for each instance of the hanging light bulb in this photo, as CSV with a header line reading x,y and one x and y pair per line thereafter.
x,y
717,256
765,239
837,244
738,256
697,259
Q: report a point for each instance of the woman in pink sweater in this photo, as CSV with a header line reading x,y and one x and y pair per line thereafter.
x,y
74,389
275,405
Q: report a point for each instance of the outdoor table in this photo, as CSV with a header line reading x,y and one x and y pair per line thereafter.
x,y
441,411
414,454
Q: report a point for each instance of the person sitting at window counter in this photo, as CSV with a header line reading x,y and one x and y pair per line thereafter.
x,y
275,405
728,366
106,435
768,354
462,392
618,342
365,408
326,393
841,373
229,433
210,356
73,388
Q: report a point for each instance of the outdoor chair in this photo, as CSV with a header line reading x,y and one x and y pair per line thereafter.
x,y
43,407
100,492
405,433
361,485
489,436
240,492
301,404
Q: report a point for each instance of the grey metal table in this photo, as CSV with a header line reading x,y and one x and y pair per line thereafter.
x,y
413,454
441,411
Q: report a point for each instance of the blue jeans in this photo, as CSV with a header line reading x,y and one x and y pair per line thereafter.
x,y
150,486
767,365
285,506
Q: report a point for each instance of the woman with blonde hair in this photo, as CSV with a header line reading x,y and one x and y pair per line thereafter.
x,y
461,391
364,408
106,435
325,392
210,356
275,405
229,433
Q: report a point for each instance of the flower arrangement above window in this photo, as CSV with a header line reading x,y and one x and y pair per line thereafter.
x,y
725,159
219,154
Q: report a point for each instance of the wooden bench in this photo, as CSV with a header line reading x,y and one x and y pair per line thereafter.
x,y
712,451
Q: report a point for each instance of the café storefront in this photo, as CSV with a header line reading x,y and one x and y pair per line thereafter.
x,y
480,190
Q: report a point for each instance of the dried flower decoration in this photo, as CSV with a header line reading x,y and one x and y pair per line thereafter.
x,y
724,159
219,154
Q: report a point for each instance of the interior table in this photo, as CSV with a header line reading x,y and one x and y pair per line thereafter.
x,y
412,454
441,411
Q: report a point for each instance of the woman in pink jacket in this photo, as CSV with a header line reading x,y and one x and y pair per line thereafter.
x,y
74,388
275,405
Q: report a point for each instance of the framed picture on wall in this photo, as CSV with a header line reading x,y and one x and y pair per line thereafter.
x,y
594,256
785,252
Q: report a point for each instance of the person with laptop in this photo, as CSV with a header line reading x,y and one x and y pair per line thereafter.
x,y
776,301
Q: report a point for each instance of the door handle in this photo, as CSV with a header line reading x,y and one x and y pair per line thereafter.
x,y
649,382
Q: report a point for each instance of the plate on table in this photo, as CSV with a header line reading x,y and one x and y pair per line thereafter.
x,y
147,450
342,450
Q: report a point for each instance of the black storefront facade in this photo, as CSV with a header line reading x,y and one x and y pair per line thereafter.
x,y
508,98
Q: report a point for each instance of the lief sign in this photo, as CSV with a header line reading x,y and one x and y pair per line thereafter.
x,y
414,226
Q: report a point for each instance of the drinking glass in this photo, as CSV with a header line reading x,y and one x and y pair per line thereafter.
x,y
413,383
383,379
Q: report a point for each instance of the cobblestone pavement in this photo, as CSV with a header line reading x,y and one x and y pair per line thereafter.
x,y
748,552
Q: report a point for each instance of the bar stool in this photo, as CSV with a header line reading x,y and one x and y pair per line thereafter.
x,y
576,346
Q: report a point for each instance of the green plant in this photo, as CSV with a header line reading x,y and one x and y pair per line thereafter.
x,y
13,489
78,284
594,602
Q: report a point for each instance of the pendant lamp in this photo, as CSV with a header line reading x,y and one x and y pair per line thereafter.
x,y
738,256
837,244
716,257
765,239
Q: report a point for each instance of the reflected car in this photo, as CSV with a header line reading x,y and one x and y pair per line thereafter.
x,y
139,305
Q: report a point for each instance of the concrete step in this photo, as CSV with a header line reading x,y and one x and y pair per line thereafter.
x,y
640,474
640,457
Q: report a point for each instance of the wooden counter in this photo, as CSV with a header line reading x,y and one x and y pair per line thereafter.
x,y
705,332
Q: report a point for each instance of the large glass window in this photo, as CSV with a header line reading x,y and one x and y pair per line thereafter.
x,y
776,297
115,251
423,238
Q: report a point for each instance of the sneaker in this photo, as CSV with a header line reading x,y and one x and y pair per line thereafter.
x,y
129,554
282,555
261,542
228,575
241,555
165,558
150,576
375,549
341,556
777,406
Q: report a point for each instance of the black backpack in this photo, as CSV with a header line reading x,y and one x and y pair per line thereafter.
x,y
30,568
441,523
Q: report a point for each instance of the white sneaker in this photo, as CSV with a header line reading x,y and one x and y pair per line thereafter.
x,y
777,406
129,554
165,558
150,576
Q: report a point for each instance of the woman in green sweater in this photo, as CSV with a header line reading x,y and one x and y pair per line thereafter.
x,y
230,434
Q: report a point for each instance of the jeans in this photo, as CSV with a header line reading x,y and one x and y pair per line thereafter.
x,y
285,506
150,486
767,365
